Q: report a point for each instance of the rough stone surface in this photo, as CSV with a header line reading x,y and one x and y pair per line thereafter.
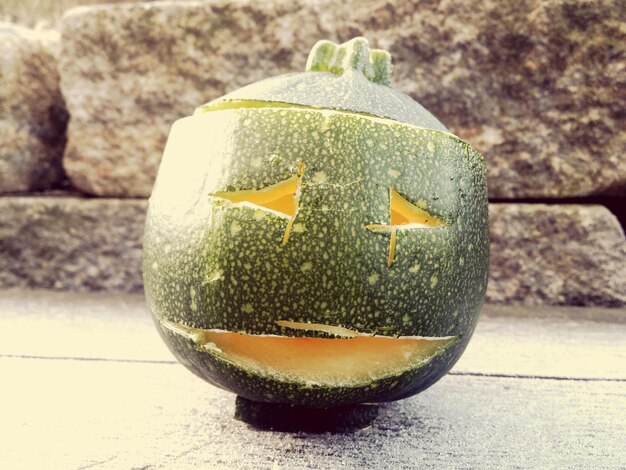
x,y
556,255
539,87
540,254
71,243
32,111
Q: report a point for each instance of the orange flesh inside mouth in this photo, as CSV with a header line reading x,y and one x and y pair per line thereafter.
x,y
327,361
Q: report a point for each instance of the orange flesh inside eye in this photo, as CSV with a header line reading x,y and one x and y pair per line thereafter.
x,y
285,204
405,213
280,197
332,361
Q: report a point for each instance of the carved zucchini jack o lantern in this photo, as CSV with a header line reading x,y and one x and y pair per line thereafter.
x,y
319,238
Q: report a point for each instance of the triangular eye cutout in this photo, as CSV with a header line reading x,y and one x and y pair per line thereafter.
x,y
280,199
405,213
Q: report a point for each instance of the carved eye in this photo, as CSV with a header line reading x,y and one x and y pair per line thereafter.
x,y
280,199
403,215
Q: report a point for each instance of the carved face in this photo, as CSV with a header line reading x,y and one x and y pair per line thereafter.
x,y
309,224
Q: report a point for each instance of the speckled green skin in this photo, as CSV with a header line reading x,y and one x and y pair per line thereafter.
x,y
350,91
211,265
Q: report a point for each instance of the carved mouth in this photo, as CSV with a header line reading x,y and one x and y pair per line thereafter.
x,y
350,358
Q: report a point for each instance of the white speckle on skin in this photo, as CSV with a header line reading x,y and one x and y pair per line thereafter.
x,y
247,308
214,276
393,173
319,177
298,228
462,261
326,123
373,278
415,268
274,158
155,265
235,228
306,266
433,280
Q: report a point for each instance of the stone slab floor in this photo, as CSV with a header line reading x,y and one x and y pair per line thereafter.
x,y
87,383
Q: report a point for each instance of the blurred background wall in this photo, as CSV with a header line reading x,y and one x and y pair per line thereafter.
x,y
87,99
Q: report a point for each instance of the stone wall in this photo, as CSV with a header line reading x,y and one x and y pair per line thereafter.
x,y
33,117
537,86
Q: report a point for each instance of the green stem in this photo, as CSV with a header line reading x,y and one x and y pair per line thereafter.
x,y
354,55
